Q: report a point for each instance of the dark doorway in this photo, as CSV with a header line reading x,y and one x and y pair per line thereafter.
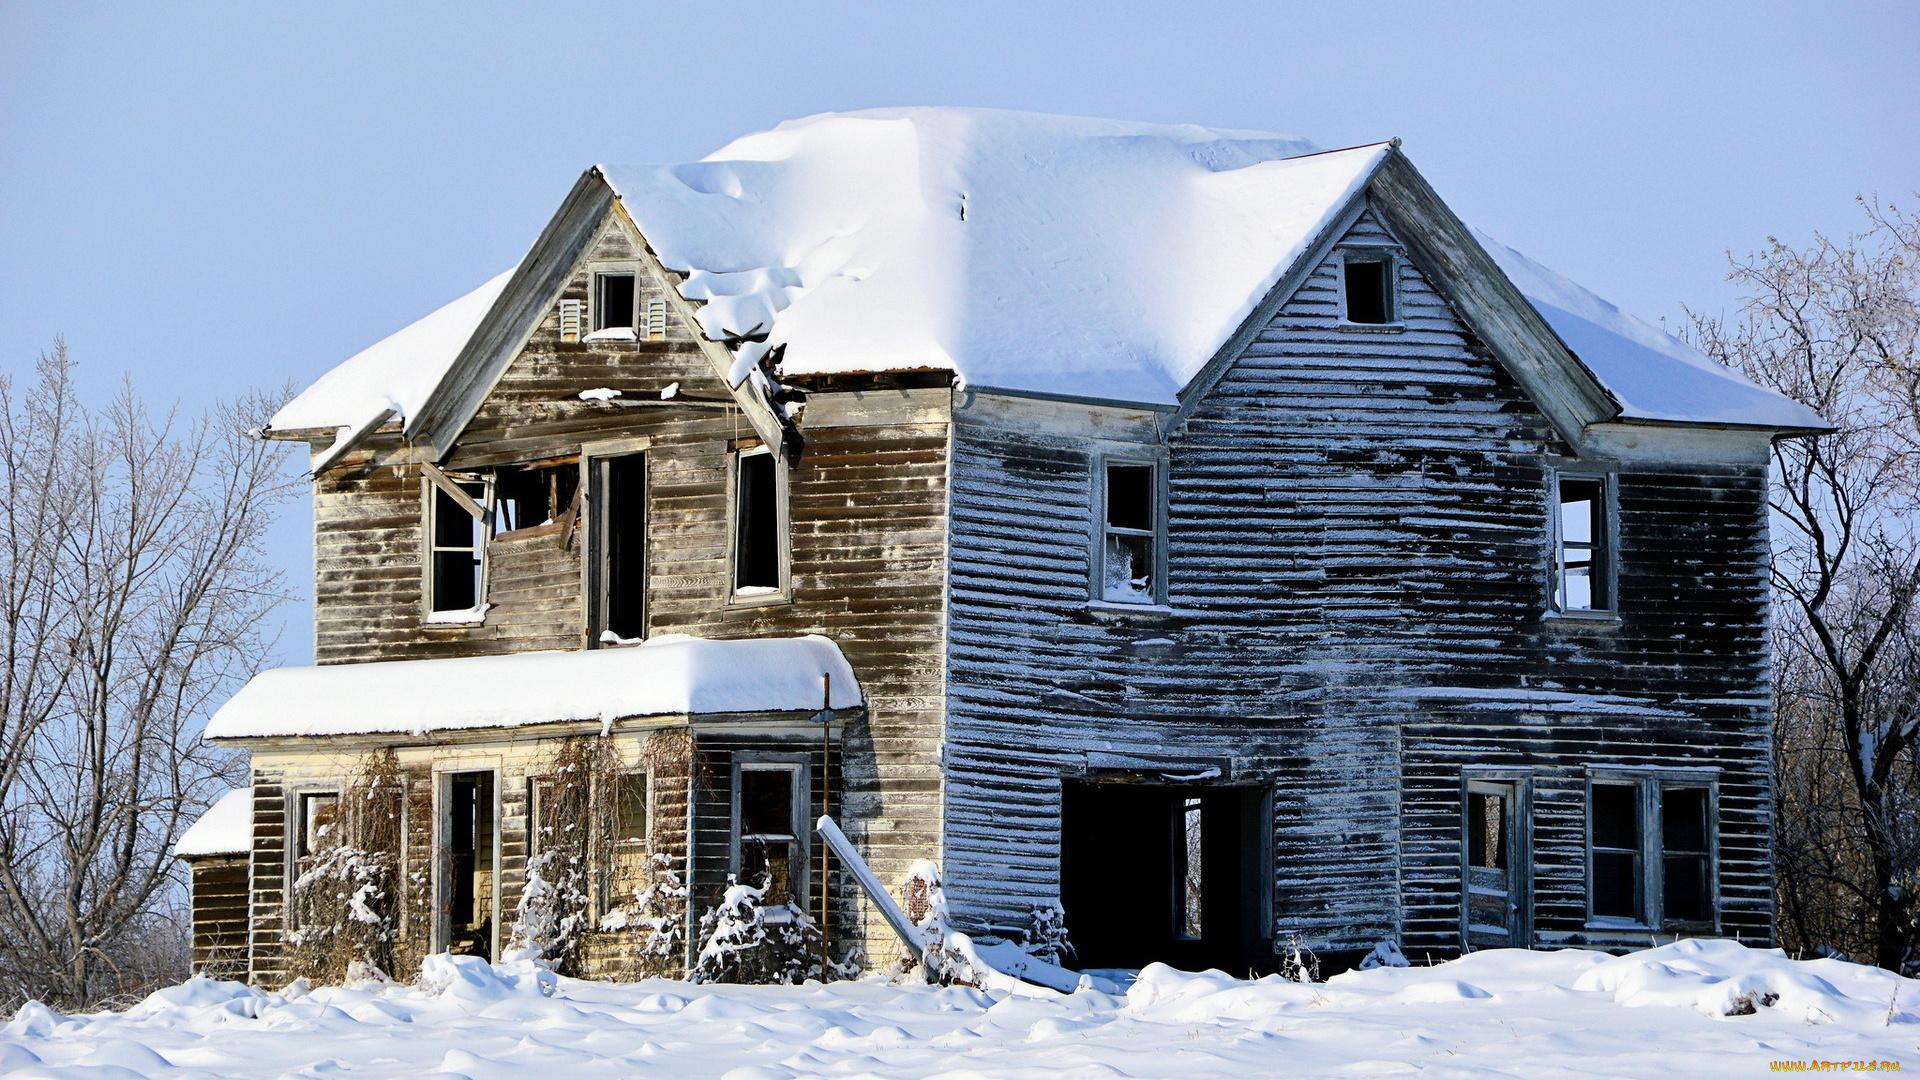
x,y
1159,872
617,514
1494,883
468,892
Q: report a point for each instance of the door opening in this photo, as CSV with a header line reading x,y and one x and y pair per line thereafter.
x,y
1494,880
468,888
1157,872
617,518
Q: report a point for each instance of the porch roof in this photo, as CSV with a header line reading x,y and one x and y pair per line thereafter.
x,y
225,829
667,675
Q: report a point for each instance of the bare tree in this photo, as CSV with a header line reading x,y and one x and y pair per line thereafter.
x,y
132,594
1834,326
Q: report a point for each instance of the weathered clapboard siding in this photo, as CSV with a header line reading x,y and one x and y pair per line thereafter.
x,y
221,904
868,533
1353,515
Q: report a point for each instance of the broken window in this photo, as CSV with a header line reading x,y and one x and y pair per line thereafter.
x,y
1651,851
1127,555
1582,575
457,532
766,830
1188,868
613,301
528,497
319,811
757,524
1368,289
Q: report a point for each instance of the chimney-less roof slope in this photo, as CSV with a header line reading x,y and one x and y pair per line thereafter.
x,y
1065,255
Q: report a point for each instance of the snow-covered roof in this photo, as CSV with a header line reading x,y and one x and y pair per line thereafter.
x,y
1651,373
225,829
1047,253
1095,258
667,675
396,373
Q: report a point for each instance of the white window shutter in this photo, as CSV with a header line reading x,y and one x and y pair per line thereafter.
x,y
570,320
656,319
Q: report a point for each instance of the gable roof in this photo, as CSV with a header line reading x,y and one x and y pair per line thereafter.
x,y
1056,255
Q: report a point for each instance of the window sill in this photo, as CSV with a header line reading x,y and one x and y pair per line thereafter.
x,y
1370,328
612,333
1114,607
1597,618
458,619
754,598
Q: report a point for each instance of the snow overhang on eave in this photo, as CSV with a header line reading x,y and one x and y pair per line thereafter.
x,y
671,675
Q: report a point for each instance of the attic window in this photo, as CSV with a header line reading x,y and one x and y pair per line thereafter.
x,y
1368,290
613,301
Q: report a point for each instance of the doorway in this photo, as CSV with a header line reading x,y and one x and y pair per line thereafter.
x,y
1169,873
469,870
1495,912
617,549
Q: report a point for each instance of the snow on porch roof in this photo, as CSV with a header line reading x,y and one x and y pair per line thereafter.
x,y
225,829
671,674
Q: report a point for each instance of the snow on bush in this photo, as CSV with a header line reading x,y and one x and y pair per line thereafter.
x,y
743,940
346,894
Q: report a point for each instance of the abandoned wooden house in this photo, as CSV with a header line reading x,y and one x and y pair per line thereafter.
x,y
1193,541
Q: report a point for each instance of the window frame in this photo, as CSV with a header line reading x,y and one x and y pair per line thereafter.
x,y
1649,783
801,769
783,527
430,491
1391,258
1605,547
294,846
595,324
1101,530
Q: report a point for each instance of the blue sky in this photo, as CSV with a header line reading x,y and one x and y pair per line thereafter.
x,y
215,196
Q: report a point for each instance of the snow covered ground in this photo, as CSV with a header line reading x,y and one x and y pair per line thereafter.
x,y
1691,1009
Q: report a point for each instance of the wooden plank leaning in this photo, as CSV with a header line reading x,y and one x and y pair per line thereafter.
x,y
882,899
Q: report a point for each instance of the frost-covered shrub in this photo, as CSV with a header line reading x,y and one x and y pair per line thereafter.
x,y
1047,936
1298,963
744,941
346,897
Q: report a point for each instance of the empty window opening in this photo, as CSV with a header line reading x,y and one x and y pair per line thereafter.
x,y
457,572
630,819
527,498
548,830
1189,874
1685,860
1127,559
618,516
1582,576
1369,291
613,300
756,544
319,813
767,832
1616,852
1652,852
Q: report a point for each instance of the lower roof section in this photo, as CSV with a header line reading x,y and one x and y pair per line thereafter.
x,y
667,675
225,829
